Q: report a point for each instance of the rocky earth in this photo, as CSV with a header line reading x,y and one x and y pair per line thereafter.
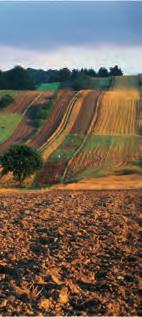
x,y
70,253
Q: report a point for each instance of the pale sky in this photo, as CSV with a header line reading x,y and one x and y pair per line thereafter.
x,y
71,34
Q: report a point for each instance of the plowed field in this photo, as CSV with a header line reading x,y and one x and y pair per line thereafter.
x,y
67,253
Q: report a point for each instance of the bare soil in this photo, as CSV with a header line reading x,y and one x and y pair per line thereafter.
x,y
70,253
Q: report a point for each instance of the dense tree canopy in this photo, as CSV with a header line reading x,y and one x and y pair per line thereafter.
x,y
21,79
16,79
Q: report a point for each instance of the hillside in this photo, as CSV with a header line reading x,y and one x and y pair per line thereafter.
x,y
87,134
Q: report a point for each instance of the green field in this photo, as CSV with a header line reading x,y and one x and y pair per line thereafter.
x,y
8,123
49,86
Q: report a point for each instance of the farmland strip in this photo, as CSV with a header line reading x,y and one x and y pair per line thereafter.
x,y
99,97
54,119
23,130
65,127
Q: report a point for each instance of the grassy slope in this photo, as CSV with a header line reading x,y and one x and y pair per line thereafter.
x,y
8,123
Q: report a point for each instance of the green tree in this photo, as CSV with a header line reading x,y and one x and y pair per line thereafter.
x,y
22,161
103,72
18,78
115,71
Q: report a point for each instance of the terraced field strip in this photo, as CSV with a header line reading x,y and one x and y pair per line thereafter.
x,y
63,99
118,114
65,126
24,128
98,96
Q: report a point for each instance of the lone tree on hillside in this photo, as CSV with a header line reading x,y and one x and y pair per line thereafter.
x,y
22,161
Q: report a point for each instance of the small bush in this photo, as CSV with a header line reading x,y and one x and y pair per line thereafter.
x,y
39,113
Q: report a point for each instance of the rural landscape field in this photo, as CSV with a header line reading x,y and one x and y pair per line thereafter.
x,y
86,134
65,249
70,158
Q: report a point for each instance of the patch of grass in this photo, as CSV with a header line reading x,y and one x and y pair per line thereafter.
x,y
104,142
67,148
49,86
8,123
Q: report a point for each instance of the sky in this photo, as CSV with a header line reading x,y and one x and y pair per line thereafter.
x,y
74,34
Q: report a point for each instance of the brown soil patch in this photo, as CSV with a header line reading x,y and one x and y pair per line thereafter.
x,y
70,253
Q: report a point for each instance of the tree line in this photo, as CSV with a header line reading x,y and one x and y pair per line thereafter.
x,y
19,78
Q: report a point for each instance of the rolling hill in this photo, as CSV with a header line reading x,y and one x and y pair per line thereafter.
x,y
87,134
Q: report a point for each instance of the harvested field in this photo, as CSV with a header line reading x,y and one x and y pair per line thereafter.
x,y
70,253
118,114
63,99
